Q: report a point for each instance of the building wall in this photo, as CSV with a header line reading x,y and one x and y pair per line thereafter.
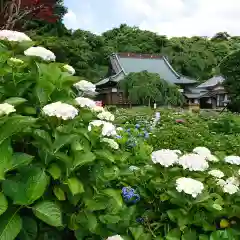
x,y
112,96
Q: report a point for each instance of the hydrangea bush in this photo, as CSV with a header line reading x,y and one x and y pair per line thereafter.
x,y
60,164
67,172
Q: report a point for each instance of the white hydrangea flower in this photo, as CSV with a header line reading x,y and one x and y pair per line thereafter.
x,y
116,237
85,102
98,109
13,36
233,180
41,52
108,129
238,172
212,158
193,162
16,60
189,186
221,182
232,160
119,129
203,151
6,109
165,157
95,123
105,115
60,110
69,69
111,143
230,188
216,173
85,86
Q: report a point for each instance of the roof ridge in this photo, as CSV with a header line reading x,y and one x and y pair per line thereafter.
x,y
139,55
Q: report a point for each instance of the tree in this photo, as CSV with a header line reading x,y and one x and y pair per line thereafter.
x,y
13,13
196,57
146,88
230,69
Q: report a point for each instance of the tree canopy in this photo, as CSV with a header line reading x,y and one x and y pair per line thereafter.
x,y
147,88
196,57
230,69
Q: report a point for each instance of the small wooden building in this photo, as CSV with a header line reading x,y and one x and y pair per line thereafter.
x,y
121,64
212,93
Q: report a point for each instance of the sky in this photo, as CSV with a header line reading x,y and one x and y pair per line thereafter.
x,y
165,17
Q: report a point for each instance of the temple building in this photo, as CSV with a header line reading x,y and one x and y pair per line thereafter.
x,y
210,94
121,64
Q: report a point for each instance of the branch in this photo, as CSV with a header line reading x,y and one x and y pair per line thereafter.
x,y
13,14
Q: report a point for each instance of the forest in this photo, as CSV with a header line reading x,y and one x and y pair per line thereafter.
x,y
196,57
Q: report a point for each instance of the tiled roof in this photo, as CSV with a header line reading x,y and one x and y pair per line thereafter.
x,y
153,64
125,63
211,82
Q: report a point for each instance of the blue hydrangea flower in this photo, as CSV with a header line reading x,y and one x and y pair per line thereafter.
x,y
128,130
118,136
137,125
146,135
140,220
129,195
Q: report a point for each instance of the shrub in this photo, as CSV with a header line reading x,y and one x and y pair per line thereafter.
x,y
59,168
67,172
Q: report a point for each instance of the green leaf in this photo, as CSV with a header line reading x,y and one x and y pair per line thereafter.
x,y
61,141
3,203
75,186
15,124
36,184
115,195
96,204
5,158
43,137
72,223
189,235
10,225
137,232
110,219
29,110
81,159
48,212
87,220
29,229
16,191
15,101
105,155
55,171
203,237
174,234
26,188
59,193
20,159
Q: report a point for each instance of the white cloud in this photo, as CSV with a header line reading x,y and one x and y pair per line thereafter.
x,y
184,17
79,18
70,20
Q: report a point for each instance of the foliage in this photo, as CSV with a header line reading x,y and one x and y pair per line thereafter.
x,y
231,71
165,213
145,88
57,178
14,14
211,130
196,57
